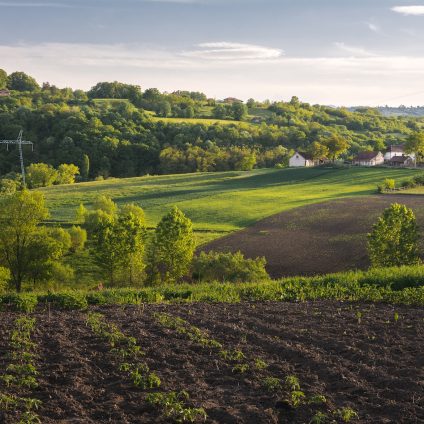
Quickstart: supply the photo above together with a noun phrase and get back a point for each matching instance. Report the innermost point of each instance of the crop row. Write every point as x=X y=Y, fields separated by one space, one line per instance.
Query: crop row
x=129 y=358
x=288 y=389
x=20 y=376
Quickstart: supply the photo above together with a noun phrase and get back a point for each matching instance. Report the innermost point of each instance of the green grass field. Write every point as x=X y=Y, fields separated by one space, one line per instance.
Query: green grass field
x=223 y=202
x=194 y=121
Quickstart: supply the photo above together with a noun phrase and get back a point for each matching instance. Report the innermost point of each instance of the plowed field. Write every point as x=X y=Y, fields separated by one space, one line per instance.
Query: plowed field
x=362 y=356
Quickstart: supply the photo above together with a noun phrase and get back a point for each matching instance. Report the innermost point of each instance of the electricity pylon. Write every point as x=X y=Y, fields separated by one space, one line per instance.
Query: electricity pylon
x=19 y=142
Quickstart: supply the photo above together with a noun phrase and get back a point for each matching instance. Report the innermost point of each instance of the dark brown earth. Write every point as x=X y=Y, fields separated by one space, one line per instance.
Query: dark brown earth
x=375 y=366
x=316 y=239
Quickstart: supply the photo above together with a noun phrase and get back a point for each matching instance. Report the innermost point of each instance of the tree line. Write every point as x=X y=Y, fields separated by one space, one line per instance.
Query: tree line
x=113 y=129
x=33 y=255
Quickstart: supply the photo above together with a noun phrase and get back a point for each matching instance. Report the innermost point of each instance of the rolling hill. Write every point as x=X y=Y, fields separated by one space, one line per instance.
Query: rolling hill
x=223 y=202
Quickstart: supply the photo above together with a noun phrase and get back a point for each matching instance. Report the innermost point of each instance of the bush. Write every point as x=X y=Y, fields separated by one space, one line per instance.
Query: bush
x=234 y=268
x=419 y=179
x=78 y=238
x=66 y=300
x=389 y=184
x=4 y=278
x=19 y=303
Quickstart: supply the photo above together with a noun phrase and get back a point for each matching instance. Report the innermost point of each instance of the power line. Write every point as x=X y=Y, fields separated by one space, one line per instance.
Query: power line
x=19 y=142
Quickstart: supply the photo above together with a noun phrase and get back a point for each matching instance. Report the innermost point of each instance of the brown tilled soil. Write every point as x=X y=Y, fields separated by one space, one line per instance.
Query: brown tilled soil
x=368 y=361
x=316 y=239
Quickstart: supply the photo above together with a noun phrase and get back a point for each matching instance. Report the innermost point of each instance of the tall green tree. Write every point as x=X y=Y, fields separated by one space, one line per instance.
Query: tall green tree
x=415 y=144
x=85 y=167
x=239 y=111
x=118 y=241
x=40 y=175
x=66 y=173
x=171 y=251
x=20 y=81
x=318 y=150
x=20 y=215
x=3 y=78
x=336 y=146
x=394 y=238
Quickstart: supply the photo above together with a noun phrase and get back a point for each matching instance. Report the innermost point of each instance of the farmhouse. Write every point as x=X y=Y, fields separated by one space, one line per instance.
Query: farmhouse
x=369 y=159
x=397 y=150
x=302 y=159
x=401 y=161
x=4 y=92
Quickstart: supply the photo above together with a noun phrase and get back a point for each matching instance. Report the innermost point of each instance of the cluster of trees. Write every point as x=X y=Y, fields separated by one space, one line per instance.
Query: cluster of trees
x=31 y=252
x=123 y=251
x=110 y=127
x=236 y=111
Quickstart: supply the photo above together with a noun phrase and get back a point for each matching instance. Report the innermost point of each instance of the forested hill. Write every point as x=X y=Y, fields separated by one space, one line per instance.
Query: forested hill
x=122 y=130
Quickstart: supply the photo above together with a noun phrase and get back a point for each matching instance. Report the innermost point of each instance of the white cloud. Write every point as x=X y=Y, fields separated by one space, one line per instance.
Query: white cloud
x=348 y=79
x=409 y=10
x=226 y=51
x=353 y=50
x=373 y=27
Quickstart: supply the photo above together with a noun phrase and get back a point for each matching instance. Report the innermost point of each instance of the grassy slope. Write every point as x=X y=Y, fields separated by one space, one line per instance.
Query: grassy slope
x=204 y=121
x=223 y=201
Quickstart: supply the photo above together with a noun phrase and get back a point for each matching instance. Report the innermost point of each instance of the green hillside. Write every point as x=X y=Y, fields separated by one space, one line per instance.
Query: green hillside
x=225 y=201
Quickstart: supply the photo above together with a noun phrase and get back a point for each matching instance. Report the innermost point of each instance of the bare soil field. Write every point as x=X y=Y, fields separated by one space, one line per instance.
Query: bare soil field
x=316 y=239
x=356 y=355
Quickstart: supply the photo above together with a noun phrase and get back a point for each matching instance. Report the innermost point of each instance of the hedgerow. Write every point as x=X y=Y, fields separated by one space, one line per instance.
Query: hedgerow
x=403 y=285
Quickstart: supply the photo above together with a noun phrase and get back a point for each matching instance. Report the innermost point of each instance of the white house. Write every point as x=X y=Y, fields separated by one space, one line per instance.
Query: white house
x=301 y=160
x=369 y=159
x=396 y=150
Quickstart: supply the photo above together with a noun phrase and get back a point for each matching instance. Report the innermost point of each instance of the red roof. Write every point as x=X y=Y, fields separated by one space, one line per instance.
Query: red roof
x=364 y=156
x=399 y=159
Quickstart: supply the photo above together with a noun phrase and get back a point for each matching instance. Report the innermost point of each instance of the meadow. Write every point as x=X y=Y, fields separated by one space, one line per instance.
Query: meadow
x=226 y=201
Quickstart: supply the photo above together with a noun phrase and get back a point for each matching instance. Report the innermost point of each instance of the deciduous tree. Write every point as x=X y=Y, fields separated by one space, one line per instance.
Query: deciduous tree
x=394 y=238
x=171 y=250
x=20 y=215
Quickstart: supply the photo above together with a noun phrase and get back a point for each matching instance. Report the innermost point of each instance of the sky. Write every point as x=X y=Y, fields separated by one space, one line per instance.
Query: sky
x=333 y=52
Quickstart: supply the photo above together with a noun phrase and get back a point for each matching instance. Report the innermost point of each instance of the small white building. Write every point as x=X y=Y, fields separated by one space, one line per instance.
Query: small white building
x=369 y=159
x=396 y=150
x=299 y=160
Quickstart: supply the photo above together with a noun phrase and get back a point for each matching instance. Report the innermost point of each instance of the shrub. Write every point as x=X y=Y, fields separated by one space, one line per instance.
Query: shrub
x=66 y=300
x=389 y=184
x=78 y=238
x=20 y=303
x=217 y=266
x=419 y=179
x=4 y=278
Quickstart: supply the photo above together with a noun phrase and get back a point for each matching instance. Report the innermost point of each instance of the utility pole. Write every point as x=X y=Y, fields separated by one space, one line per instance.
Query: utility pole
x=19 y=142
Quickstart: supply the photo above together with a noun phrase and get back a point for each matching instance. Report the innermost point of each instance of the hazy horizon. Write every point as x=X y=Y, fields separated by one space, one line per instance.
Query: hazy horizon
x=332 y=52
